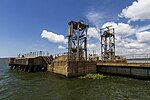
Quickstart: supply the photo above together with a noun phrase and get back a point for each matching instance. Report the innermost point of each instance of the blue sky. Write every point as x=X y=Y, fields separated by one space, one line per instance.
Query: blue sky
x=22 y=23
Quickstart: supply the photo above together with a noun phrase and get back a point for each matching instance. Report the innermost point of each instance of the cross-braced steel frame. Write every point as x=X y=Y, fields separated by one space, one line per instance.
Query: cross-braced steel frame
x=77 y=41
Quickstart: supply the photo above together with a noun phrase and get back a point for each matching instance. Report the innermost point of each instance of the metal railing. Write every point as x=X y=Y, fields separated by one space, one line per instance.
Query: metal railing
x=41 y=53
x=34 y=54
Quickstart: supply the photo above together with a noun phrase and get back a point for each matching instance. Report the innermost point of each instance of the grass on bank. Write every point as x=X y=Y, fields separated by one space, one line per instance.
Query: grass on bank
x=92 y=76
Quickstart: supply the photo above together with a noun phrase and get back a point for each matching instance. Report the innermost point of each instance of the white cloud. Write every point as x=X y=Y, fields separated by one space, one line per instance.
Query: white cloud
x=134 y=45
x=53 y=37
x=125 y=44
x=112 y=24
x=139 y=10
x=131 y=51
x=143 y=36
x=95 y=17
x=129 y=46
x=121 y=29
x=91 y=46
x=61 y=47
x=124 y=29
x=143 y=28
x=133 y=39
x=92 y=32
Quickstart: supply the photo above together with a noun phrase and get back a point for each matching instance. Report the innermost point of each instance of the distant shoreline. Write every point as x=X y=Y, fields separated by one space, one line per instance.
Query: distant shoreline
x=4 y=59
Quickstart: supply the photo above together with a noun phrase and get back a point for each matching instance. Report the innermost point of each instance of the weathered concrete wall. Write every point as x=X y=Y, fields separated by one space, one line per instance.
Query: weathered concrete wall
x=33 y=64
x=138 y=72
x=27 y=61
x=36 y=61
x=60 y=67
x=81 y=68
x=72 y=69
x=21 y=61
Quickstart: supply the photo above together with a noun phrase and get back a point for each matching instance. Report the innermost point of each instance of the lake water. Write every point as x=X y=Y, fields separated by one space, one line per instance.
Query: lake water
x=17 y=85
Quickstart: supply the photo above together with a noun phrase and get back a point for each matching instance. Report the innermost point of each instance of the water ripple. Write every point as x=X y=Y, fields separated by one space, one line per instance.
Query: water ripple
x=17 y=85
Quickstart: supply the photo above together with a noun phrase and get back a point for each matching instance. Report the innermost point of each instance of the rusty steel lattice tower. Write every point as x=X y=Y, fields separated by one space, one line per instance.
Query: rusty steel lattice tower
x=107 y=44
x=77 y=41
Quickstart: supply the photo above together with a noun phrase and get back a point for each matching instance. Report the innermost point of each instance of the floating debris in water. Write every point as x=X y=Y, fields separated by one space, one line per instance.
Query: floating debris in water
x=92 y=76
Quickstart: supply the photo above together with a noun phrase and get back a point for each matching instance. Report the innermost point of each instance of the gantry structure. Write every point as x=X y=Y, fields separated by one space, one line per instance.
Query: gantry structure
x=107 y=43
x=77 y=41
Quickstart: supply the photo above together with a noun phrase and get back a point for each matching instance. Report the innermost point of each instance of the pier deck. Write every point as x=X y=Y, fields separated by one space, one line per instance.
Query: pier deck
x=124 y=64
x=70 y=69
x=30 y=64
x=59 y=65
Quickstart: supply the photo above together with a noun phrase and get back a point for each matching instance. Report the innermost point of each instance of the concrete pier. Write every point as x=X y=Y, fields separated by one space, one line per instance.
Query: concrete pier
x=60 y=65
x=136 y=70
x=71 y=69
x=31 y=64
